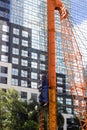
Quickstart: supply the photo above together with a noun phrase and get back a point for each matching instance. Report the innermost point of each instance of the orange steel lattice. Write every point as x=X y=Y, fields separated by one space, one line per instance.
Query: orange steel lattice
x=73 y=62
x=41 y=120
x=75 y=71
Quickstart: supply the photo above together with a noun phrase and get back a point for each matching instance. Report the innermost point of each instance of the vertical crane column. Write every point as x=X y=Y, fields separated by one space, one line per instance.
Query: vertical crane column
x=51 y=65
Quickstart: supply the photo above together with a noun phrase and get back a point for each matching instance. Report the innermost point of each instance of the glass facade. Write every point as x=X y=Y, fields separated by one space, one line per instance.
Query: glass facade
x=25 y=37
x=31 y=14
x=5 y=9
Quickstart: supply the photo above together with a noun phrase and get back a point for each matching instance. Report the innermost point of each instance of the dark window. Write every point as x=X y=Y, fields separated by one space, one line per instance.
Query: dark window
x=3 y=80
x=34 y=96
x=4 y=69
x=24 y=95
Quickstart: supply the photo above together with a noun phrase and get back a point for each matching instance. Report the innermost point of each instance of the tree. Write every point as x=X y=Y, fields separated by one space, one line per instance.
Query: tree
x=2 y=109
x=18 y=115
x=30 y=125
x=60 y=118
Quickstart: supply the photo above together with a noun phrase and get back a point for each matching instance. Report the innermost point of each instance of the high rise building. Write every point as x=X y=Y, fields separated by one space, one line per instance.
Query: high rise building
x=23 y=49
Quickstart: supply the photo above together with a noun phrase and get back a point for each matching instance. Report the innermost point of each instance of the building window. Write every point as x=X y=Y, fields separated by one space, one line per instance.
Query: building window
x=15 y=40
x=25 y=43
x=59 y=80
x=24 y=95
x=15 y=82
x=24 y=53
x=24 y=62
x=42 y=66
x=15 y=31
x=60 y=100
x=59 y=90
x=68 y=101
x=3 y=80
x=3 y=70
x=42 y=57
x=69 y=110
x=34 y=96
x=33 y=64
x=5 y=38
x=4 y=48
x=15 y=51
x=34 y=55
x=24 y=73
x=33 y=85
x=33 y=75
x=4 y=58
x=15 y=71
x=15 y=60
x=5 y=28
x=24 y=83
x=25 y=34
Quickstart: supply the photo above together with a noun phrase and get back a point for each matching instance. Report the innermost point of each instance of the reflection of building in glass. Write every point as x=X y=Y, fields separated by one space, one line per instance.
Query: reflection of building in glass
x=23 y=38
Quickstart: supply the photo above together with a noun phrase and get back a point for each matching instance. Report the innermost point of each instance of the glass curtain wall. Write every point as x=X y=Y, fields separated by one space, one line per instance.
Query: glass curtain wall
x=31 y=14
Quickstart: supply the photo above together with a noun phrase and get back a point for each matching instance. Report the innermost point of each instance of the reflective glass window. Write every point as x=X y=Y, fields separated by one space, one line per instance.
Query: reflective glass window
x=4 y=48
x=5 y=28
x=24 y=83
x=59 y=90
x=24 y=62
x=33 y=75
x=25 y=34
x=59 y=80
x=33 y=85
x=5 y=38
x=16 y=31
x=34 y=64
x=15 y=71
x=24 y=53
x=14 y=82
x=24 y=73
x=4 y=58
x=42 y=66
x=15 y=60
x=60 y=100
x=68 y=101
x=69 y=110
x=42 y=57
x=15 y=40
x=15 y=51
x=34 y=55
x=25 y=43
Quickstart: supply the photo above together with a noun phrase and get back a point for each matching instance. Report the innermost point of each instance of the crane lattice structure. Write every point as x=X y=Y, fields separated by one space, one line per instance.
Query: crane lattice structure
x=73 y=61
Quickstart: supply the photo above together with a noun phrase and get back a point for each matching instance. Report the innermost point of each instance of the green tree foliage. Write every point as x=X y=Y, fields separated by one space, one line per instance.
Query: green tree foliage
x=14 y=113
x=30 y=125
x=60 y=118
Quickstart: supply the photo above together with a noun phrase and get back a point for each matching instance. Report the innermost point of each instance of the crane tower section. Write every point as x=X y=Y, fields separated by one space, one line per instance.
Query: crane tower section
x=73 y=62
x=75 y=70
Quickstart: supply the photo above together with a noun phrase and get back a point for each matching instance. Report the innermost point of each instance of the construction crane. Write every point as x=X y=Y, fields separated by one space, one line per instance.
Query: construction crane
x=53 y=5
x=74 y=66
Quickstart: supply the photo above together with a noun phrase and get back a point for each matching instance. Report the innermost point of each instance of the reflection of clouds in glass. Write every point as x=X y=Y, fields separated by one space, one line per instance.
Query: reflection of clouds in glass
x=79 y=11
x=80 y=32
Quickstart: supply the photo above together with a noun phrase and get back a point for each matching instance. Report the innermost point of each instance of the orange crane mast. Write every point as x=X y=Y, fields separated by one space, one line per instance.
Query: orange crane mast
x=73 y=62
x=53 y=5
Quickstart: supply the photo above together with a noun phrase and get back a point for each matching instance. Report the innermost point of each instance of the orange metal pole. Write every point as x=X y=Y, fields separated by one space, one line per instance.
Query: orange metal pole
x=41 y=119
x=51 y=64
